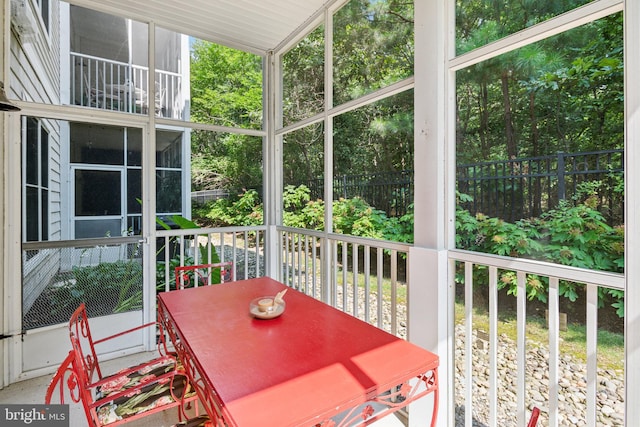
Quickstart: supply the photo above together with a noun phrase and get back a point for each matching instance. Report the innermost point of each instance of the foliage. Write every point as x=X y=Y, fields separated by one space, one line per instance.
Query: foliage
x=356 y=218
x=303 y=78
x=182 y=222
x=226 y=90
x=373 y=48
x=350 y=216
x=400 y=229
x=174 y=260
x=225 y=161
x=96 y=284
x=226 y=86
x=573 y=234
x=246 y=210
x=563 y=93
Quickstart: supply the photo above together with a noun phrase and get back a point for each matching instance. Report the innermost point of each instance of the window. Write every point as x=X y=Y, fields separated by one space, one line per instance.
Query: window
x=43 y=5
x=106 y=164
x=36 y=189
x=169 y=172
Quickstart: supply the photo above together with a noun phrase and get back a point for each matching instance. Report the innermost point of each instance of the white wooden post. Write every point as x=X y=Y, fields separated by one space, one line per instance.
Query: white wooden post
x=272 y=154
x=4 y=27
x=632 y=211
x=429 y=307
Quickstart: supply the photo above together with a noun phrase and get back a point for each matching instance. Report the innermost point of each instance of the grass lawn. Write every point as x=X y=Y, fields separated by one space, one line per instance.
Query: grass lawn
x=573 y=341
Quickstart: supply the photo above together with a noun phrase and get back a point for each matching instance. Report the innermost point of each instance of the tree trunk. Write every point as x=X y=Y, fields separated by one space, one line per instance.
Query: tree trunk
x=484 y=119
x=535 y=146
x=512 y=151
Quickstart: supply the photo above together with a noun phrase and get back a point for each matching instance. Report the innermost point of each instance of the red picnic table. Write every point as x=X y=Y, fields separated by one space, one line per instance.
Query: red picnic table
x=313 y=365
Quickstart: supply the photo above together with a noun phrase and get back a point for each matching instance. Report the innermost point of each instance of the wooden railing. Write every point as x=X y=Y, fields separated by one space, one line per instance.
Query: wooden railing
x=366 y=278
x=243 y=246
x=485 y=372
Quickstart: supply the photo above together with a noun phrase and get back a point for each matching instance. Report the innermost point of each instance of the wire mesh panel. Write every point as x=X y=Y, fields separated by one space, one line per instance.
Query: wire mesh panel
x=105 y=274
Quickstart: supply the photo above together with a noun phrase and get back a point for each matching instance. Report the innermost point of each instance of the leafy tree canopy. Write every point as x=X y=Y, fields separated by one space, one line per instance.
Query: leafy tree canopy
x=226 y=90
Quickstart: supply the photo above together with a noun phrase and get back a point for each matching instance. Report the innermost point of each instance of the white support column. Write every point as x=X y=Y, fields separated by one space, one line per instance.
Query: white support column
x=272 y=154
x=328 y=247
x=185 y=72
x=4 y=27
x=632 y=211
x=10 y=251
x=430 y=309
x=149 y=196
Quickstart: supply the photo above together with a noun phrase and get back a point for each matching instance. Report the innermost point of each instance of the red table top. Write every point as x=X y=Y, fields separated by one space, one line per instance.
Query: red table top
x=310 y=363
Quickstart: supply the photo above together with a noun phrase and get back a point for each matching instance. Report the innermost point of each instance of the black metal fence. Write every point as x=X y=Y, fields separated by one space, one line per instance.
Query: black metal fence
x=527 y=187
x=391 y=192
x=508 y=189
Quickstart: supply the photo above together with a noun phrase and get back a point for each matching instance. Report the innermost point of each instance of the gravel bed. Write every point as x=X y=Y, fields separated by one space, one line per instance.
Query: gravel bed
x=571 y=394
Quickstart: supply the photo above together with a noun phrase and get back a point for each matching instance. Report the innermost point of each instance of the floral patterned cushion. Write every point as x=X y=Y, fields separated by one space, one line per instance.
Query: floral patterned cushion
x=146 y=391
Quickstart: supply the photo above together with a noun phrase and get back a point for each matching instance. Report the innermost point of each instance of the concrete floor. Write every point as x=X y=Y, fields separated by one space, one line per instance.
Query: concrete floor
x=33 y=391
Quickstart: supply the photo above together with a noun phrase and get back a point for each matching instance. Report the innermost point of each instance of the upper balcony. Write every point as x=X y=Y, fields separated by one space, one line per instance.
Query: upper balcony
x=119 y=86
x=108 y=65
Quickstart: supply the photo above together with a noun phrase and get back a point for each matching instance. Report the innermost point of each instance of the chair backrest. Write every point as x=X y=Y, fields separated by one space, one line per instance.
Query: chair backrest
x=80 y=335
x=128 y=395
x=65 y=370
x=204 y=274
x=71 y=375
x=535 y=413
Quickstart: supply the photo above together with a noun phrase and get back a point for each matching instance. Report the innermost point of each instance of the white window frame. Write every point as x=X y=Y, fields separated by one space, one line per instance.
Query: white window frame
x=40 y=186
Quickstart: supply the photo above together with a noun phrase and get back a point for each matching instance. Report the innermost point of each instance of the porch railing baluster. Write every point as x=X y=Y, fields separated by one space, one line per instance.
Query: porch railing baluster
x=588 y=393
x=554 y=349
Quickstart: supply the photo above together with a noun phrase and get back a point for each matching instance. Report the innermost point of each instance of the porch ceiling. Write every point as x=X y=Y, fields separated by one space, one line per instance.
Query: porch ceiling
x=252 y=25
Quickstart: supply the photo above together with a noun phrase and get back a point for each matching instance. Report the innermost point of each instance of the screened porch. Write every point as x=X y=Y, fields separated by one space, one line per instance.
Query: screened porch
x=513 y=330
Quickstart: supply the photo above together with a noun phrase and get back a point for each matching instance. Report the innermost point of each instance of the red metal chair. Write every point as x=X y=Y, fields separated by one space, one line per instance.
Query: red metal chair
x=535 y=413
x=127 y=395
x=200 y=274
x=84 y=344
x=103 y=412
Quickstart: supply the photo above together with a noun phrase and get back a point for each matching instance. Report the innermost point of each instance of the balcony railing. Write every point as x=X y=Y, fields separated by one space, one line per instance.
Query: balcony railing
x=367 y=276
x=119 y=86
x=498 y=377
x=244 y=246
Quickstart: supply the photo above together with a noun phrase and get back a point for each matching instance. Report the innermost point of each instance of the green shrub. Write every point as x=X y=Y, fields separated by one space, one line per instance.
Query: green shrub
x=575 y=234
x=114 y=286
x=356 y=218
x=246 y=210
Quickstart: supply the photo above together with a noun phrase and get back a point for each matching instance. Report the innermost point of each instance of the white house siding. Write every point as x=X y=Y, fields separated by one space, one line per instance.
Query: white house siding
x=35 y=76
x=37 y=273
x=35 y=61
